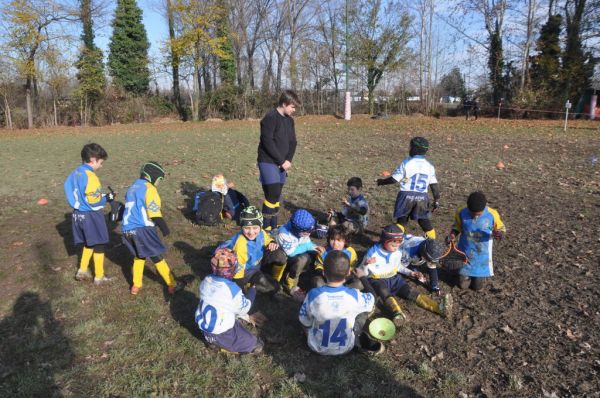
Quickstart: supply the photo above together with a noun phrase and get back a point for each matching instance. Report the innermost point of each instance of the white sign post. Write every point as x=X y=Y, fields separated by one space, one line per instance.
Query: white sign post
x=567 y=106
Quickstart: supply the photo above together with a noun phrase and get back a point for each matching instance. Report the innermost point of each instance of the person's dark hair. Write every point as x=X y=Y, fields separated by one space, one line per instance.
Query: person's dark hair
x=337 y=265
x=289 y=97
x=336 y=231
x=476 y=201
x=92 y=150
x=355 y=182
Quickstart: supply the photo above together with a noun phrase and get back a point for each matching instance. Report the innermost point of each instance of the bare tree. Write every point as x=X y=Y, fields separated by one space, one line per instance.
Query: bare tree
x=329 y=19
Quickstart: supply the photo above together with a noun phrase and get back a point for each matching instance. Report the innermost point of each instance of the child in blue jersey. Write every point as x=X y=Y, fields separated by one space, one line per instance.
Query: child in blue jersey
x=384 y=268
x=418 y=251
x=254 y=249
x=355 y=209
x=84 y=194
x=415 y=174
x=222 y=304
x=337 y=238
x=478 y=225
x=334 y=315
x=141 y=217
x=294 y=239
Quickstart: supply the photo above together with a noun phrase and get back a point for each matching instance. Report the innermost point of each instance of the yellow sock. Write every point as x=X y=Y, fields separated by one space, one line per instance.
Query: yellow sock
x=99 y=265
x=165 y=272
x=427 y=303
x=430 y=234
x=277 y=271
x=138 y=271
x=290 y=282
x=86 y=256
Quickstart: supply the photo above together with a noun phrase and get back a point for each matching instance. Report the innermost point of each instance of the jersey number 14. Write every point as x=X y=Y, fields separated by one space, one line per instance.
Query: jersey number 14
x=339 y=334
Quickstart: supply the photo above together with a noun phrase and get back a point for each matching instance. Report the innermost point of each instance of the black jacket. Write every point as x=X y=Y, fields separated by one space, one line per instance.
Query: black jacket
x=277 y=138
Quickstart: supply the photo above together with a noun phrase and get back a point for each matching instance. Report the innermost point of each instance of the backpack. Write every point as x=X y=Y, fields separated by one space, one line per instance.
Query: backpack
x=209 y=208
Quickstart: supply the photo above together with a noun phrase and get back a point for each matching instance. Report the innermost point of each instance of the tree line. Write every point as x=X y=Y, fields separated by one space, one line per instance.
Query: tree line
x=230 y=59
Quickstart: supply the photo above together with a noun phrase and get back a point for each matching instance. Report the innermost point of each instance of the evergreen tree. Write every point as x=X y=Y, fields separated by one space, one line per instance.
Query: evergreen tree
x=545 y=66
x=453 y=84
x=496 y=65
x=578 y=66
x=90 y=67
x=226 y=58
x=128 y=57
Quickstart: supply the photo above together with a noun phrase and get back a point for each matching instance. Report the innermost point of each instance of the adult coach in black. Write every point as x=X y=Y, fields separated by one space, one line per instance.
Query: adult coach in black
x=275 y=153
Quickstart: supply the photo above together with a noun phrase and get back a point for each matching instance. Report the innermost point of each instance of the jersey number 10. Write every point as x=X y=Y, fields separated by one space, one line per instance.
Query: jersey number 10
x=339 y=334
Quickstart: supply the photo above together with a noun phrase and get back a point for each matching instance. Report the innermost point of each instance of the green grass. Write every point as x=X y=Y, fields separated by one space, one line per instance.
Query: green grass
x=63 y=338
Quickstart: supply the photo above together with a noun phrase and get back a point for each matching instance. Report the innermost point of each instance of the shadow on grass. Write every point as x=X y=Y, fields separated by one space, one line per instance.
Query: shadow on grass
x=353 y=374
x=319 y=215
x=197 y=259
x=189 y=189
x=34 y=349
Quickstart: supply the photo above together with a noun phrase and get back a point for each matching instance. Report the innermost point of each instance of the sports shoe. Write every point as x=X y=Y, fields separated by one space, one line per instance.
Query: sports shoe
x=399 y=318
x=446 y=306
x=369 y=346
x=103 y=280
x=135 y=290
x=436 y=290
x=174 y=289
x=83 y=275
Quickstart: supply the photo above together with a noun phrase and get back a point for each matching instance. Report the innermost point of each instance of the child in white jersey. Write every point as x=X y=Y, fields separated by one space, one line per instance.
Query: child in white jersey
x=383 y=267
x=334 y=315
x=222 y=303
x=415 y=174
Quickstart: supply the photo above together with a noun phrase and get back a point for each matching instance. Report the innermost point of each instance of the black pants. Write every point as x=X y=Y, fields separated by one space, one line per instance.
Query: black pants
x=473 y=282
x=263 y=281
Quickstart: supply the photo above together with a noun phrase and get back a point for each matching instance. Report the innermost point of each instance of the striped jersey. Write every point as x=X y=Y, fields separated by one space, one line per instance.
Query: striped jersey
x=329 y=314
x=291 y=244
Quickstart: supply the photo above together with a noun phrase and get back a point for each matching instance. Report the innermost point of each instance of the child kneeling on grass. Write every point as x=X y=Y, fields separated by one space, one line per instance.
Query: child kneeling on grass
x=383 y=267
x=355 y=209
x=141 y=217
x=478 y=225
x=334 y=315
x=222 y=303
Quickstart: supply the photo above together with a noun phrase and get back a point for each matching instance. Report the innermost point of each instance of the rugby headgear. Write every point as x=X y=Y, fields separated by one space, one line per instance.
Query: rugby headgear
x=302 y=221
x=224 y=263
x=431 y=250
x=391 y=232
x=476 y=201
x=418 y=146
x=153 y=172
x=251 y=216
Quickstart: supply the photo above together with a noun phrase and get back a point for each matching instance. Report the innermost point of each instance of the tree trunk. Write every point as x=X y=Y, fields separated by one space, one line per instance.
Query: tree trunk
x=530 y=20
x=55 y=113
x=197 y=88
x=7 y=114
x=251 y=69
x=28 y=101
x=175 y=64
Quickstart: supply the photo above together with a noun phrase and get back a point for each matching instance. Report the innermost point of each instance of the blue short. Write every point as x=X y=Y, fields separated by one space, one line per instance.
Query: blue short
x=89 y=228
x=393 y=284
x=144 y=242
x=412 y=204
x=236 y=339
x=270 y=173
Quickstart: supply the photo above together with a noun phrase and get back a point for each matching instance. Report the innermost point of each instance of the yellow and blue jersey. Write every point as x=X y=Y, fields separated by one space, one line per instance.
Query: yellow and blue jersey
x=348 y=251
x=83 y=189
x=249 y=253
x=142 y=203
x=476 y=239
x=387 y=264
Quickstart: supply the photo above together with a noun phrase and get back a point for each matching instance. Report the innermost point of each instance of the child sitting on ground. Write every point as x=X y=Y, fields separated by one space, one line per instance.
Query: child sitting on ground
x=477 y=225
x=294 y=238
x=254 y=248
x=337 y=237
x=355 y=209
x=141 y=217
x=383 y=267
x=222 y=302
x=221 y=202
x=84 y=194
x=415 y=174
x=334 y=315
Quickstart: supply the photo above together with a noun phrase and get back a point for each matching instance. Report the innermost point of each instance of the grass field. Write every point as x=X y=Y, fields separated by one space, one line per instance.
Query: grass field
x=533 y=331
